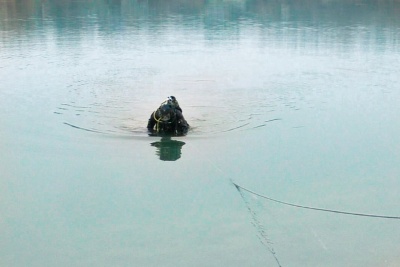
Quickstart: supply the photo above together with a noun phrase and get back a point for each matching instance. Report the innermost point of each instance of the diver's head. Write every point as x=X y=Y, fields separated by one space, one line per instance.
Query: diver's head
x=171 y=100
x=164 y=112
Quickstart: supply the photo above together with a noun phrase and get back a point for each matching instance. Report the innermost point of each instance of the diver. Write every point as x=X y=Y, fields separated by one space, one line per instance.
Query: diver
x=168 y=119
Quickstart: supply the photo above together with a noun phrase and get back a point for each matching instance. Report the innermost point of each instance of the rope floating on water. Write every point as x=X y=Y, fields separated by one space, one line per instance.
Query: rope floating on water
x=262 y=236
x=239 y=188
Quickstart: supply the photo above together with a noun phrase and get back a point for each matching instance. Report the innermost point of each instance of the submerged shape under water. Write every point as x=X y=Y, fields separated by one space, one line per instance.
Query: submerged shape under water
x=297 y=100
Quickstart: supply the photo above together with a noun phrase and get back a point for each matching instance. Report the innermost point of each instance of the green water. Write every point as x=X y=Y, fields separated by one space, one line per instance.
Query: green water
x=295 y=100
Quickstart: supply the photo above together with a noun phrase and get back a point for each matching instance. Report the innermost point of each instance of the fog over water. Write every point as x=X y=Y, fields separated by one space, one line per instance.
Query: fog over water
x=296 y=101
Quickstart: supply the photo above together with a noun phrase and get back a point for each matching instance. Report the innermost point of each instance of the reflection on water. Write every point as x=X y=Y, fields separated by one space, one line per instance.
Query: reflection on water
x=167 y=149
x=290 y=23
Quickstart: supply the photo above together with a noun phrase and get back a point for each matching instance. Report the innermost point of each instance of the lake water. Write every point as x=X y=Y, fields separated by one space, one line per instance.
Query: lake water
x=297 y=101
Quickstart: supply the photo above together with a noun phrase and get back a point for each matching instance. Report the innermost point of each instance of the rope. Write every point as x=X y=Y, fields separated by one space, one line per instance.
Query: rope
x=238 y=187
x=262 y=236
x=158 y=122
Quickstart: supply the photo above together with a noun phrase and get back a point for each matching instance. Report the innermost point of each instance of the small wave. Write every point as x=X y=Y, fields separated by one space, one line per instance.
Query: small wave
x=121 y=132
x=259 y=126
x=73 y=106
x=235 y=128
x=84 y=129
x=273 y=120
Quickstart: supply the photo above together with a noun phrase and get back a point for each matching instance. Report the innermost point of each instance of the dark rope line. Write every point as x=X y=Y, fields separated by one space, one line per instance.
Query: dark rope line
x=238 y=187
x=262 y=236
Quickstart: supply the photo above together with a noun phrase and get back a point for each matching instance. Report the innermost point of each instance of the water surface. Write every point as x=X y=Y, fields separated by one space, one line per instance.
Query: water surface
x=295 y=100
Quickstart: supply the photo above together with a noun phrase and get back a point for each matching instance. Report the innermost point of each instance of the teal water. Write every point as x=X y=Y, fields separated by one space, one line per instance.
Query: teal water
x=295 y=100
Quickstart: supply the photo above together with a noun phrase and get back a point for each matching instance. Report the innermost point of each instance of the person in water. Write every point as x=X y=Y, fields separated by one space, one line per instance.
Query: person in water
x=168 y=119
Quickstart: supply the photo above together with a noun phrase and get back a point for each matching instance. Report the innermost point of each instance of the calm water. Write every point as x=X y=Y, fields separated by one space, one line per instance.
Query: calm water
x=295 y=100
